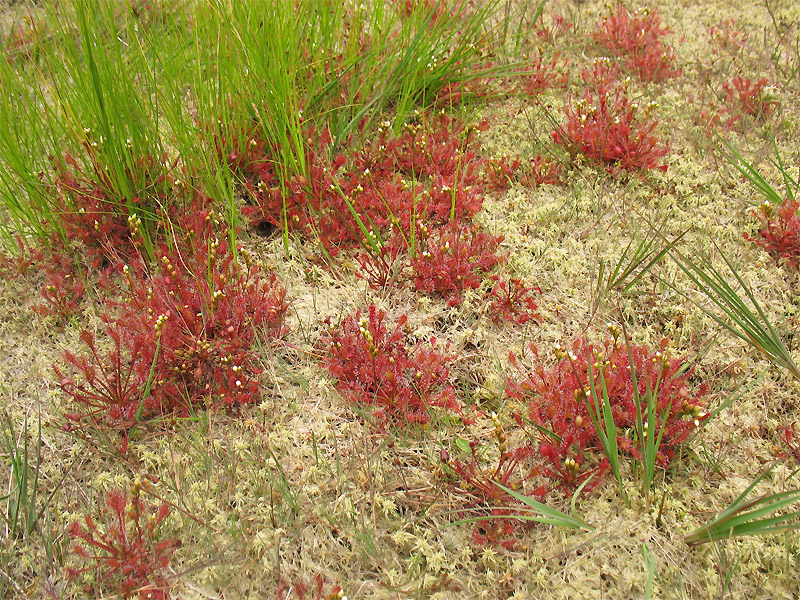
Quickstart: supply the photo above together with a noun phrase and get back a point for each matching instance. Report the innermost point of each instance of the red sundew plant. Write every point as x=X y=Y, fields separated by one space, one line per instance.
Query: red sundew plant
x=455 y=259
x=204 y=316
x=303 y=194
x=383 y=267
x=541 y=74
x=249 y=159
x=380 y=205
x=431 y=172
x=15 y=263
x=636 y=39
x=62 y=294
x=428 y=145
x=123 y=549
x=453 y=93
x=374 y=366
x=557 y=398
x=501 y=172
x=543 y=172
x=559 y=27
x=436 y=160
x=710 y=121
x=504 y=171
x=512 y=300
x=89 y=215
x=112 y=385
x=724 y=36
x=603 y=76
x=63 y=288
x=742 y=96
x=606 y=126
x=788 y=436
x=183 y=334
x=437 y=145
x=271 y=202
x=514 y=469
x=742 y=101
x=106 y=225
x=315 y=590
x=780 y=232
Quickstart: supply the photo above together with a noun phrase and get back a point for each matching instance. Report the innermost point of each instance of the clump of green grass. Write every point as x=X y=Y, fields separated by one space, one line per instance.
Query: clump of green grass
x=745 y=517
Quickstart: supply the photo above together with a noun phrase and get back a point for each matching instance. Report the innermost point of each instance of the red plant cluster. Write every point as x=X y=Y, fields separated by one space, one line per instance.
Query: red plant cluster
x=541 y=73
x=250 y=159
x=22 y=41
x=62 y=293
x=113 y=385
x=89 y=215
x=780 y=232
x=453 y=93
x=512 y=301
x=383 y=265
x=63 y=288
x=788 y=436
x=124 y=551
x=16 y=262
x=514 y=469
x=636 y=39
x=503 y=171
x=430 y=172
x=558 y=400
x=437 y=158
x=182 y=334
x=315 y=590
x=543 y=172
x=607 y=126
x=742 y=96
x=455 y=260
x=390 y=198
x=558 y=28
x=725 y=36
x=375 y=366
x=107 y=225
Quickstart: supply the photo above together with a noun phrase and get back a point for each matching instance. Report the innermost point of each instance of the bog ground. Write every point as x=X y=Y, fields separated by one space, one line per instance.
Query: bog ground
x=399 y=299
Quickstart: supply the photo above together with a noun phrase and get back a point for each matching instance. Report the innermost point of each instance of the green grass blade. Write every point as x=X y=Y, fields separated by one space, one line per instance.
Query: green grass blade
x=572 y=508
x=742 y=517
x=554 y=516
x=751 y=327
x=750 y=173
x=789 y=181
x=149 y=384
x=535 y=518
x=737 y=393
x=650 y=563
x=606 y=430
